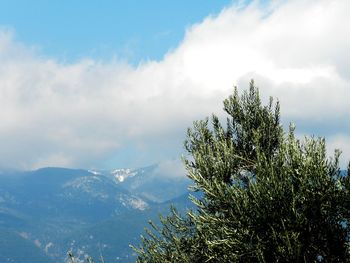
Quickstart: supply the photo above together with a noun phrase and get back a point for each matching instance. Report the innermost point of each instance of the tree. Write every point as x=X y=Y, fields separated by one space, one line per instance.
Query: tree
x=266 y=195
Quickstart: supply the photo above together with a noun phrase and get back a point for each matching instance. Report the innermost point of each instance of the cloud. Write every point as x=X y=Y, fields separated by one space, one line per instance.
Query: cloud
x=83 y=113
x=171 y=169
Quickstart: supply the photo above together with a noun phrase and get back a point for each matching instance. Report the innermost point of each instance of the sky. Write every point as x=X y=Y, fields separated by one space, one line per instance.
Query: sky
x=110 y=84
x=133 y=30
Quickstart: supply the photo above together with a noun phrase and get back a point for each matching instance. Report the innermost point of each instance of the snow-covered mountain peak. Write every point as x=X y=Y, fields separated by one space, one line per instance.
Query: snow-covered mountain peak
x=121 y=174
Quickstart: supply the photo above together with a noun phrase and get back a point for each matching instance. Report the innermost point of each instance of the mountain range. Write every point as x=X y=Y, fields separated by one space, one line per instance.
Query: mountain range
x=47 y=212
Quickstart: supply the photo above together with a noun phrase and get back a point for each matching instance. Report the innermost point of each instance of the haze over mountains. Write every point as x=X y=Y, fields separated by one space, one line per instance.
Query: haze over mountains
x=50 y=211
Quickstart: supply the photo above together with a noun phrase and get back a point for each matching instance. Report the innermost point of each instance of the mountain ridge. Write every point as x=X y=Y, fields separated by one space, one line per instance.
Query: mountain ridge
x=55 y=209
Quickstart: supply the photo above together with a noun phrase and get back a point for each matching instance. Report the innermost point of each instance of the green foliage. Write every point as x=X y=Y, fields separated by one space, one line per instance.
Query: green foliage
x=267 y=196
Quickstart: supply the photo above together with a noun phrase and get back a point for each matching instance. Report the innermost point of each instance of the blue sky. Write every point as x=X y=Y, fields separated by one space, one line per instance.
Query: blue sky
x=108 y=84
x=134 y=30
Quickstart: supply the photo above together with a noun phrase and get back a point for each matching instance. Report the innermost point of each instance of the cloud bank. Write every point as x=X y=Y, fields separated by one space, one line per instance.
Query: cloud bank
x=82 y=114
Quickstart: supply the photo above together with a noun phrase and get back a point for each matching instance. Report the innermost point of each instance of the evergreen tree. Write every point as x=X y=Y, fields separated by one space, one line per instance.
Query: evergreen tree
x=266 y=196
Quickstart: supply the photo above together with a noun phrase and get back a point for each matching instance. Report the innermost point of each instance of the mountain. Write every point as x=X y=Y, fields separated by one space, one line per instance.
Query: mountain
x=15 y=247
x=104 y=238
x=52 y=210
x=147 y=183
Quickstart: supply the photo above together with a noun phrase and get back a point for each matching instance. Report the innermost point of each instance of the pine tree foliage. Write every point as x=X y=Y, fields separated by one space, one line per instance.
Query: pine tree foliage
x=266 y=195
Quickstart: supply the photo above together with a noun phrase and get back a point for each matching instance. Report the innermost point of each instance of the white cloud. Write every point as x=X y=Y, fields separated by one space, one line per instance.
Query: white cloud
x=81 y=114
x=171 y=168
